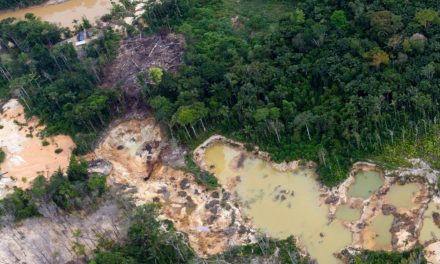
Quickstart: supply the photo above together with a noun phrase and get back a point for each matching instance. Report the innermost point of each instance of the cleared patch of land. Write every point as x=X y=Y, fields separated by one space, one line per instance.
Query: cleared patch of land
x=29 y=155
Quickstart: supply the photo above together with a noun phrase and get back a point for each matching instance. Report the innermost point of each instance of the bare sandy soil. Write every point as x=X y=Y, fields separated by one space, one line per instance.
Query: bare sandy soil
x=211 y=219
x=407 y=223
x=26 y=157
x=55 y=237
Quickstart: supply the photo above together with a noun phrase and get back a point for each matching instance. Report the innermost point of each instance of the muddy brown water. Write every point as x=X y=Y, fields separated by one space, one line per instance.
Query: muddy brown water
x=281 y=203
x=430 y=230
x=366 y=183
x=64 y=13
x=402 y=196
x=346 y=213
x=379 y=235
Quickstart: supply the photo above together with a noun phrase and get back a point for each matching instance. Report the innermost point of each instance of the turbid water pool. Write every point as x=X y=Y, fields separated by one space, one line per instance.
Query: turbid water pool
x=346 y=213
x=378 y=235
x=430 y=230
x=280 y=203
x=64 y=13
x=366 y=183
x=402 y=196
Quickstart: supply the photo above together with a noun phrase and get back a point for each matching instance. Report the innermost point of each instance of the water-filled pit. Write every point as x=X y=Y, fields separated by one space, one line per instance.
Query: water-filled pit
x=347 y=213
x=402 y=196
x=284 y=203
x=366 y=183
x=430 y=230
x=378 y=235
x=281 y=203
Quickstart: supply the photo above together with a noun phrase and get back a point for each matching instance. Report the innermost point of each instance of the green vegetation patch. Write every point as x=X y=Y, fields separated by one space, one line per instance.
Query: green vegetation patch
x=74 y=191
x=5 y=4
x=382 y=257
x=148 y=241
x=203 y=177
x=2 y=155
x=425 y=146
x=282 y=251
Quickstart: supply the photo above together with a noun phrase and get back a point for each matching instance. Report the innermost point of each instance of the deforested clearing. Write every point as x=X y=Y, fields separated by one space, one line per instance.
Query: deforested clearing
x=26 y=155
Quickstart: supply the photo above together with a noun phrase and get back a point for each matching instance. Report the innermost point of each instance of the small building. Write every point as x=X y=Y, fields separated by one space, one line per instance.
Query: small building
x=80 y=36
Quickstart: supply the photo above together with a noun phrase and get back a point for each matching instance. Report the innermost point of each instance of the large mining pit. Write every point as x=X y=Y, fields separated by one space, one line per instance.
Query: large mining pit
x=214 y=219
x=381 y=207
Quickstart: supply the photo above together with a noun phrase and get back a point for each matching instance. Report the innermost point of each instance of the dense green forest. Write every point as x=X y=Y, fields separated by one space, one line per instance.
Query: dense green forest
x=11 y=4
x=52 y=81
x=327 y=81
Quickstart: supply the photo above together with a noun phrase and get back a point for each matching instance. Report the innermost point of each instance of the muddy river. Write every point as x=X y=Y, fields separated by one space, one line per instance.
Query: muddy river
x=366 y=183
x=64 y=13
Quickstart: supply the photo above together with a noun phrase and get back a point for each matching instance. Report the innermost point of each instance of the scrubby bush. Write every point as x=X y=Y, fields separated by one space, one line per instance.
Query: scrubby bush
x=2 y=155
x=18 y=205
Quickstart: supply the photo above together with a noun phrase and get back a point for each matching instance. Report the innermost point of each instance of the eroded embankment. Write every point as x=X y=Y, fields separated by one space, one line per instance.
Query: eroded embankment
x=28 y=154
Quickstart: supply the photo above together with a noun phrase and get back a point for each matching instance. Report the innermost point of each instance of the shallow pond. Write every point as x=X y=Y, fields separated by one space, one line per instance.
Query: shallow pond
x=366 y=183
x=280 y=203
x=429 y=229
x=64 y=13
x=378 y=235
x=402 y=196
x=346 y=213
